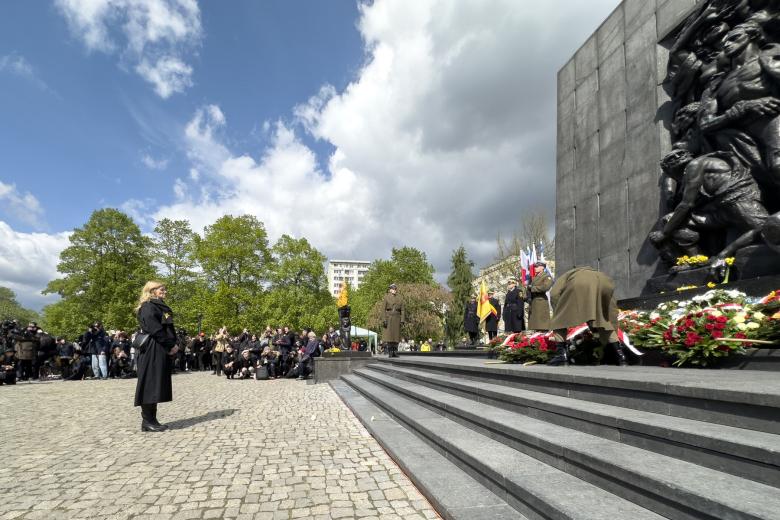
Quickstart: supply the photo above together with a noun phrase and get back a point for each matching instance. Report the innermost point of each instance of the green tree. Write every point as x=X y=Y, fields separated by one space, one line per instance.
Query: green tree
x=407 y=265
x=459 y=282
x=424 y=307
x=234 y=257
x=104 y=268
x=299 y=296
x=10 y=309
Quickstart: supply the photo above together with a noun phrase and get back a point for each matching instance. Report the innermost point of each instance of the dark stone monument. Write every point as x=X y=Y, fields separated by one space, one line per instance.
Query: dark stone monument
x=669 y=144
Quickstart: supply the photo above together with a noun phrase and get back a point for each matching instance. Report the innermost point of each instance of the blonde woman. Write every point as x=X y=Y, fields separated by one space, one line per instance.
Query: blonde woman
x=154 y=357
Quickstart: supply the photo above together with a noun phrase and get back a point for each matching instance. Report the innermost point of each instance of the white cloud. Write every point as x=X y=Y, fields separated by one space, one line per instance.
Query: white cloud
x=152 y=35
x=19 y=66
x=445 y=137
x=23 y=206
x=154 y=164
x=28 y=261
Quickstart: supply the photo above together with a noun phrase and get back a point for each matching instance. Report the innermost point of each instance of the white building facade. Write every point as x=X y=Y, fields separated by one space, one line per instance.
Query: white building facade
x=350 y=271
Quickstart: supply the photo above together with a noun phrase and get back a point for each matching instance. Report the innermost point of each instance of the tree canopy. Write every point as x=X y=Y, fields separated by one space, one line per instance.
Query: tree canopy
x=10 y=309
x=459 y=282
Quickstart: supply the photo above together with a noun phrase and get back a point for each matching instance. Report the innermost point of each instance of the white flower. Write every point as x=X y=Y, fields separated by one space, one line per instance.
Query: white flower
x=654 y=315
x=759 y=316
x=753 y=325
x=662 y=307
x=741 y=326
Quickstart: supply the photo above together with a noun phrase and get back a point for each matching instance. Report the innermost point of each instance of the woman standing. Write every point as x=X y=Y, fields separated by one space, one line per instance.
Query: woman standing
x=154 y=358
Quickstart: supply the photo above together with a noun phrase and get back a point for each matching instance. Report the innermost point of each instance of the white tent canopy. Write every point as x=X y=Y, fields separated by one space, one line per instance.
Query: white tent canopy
x=359 y=332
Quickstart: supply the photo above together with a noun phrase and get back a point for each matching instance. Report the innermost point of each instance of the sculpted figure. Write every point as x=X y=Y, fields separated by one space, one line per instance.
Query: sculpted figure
x=740 y=109
x=718 y=194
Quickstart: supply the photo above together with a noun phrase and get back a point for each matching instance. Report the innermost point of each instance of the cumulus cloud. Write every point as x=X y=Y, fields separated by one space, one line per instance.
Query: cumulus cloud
x=23 y=206
x=153 y=36
x=445 y=137
x=28 y=261
x=154 y=164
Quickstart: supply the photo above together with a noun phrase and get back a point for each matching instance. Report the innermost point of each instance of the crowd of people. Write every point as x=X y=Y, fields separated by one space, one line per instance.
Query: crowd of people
x=28 y=353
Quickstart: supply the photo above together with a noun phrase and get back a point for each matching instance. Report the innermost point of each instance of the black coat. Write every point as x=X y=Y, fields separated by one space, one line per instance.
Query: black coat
x=491 y=322
x=154 y=363
x=470 y=318
x=514 y=319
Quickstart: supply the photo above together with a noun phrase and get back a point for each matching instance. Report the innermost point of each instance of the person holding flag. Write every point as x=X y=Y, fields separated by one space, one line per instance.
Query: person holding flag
x=491 y=321
x=539 y=305
x=471 y=319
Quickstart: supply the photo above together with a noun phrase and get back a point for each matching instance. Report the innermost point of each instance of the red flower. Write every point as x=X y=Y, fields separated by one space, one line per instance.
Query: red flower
x=724 y=348
x=690 y=323
x=710 y=317
x=721 y=319
x=720 y=326
x=717 y=334
x=699 y=314
x=709 y=326
x=691 y=339
x=740 y=335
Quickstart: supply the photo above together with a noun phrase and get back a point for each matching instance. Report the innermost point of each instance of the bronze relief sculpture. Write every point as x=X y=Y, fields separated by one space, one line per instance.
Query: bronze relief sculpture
x=721 y=181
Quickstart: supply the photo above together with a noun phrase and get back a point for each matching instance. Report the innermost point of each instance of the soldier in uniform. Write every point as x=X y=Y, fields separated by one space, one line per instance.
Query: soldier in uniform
x=471 y=320
x=491 y=322
x=514 y=310
x=393 y=318
x=539 y=308
x=584 y=295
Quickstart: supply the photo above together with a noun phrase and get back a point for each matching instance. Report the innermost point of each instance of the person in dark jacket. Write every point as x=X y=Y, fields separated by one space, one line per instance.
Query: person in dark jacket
x=65 y=352
x=514 y=311
x=99 y=347
x=229 y=361
x=154 y=359
x=491 y=322
x=471 y=320
x=245 y=365
x=8 y=365
x=27 y=343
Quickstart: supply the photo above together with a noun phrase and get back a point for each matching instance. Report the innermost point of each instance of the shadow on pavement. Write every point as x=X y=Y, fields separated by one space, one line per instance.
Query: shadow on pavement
x=192 y=421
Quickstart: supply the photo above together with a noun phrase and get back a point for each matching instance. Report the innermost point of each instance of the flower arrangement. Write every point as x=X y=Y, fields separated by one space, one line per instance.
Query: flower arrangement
x=693 y=261
x=333 y=350
x=706 y=328
x=522 y=347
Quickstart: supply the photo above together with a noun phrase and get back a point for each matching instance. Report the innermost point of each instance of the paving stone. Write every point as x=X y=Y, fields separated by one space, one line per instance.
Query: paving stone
x=183 y=473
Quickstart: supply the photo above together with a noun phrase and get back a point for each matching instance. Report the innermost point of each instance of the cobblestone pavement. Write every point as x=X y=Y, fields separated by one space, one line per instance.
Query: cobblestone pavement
x=236 y=449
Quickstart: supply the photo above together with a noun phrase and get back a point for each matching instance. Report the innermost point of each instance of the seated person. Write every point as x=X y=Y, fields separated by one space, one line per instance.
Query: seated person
x=78 y=367
x=119 y=364
x=268 y=360
x=229 y=362
x=8 y=366
x=245 y=365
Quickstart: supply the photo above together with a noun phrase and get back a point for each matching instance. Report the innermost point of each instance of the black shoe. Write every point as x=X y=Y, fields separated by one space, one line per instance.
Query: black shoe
x=561 y=356
x=147 y=426
x=618 y=349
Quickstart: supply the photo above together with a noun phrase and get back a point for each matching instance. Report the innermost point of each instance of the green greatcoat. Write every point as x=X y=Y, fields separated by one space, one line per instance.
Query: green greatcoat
x=583 y=295
x=539 y=310
x=393 y=315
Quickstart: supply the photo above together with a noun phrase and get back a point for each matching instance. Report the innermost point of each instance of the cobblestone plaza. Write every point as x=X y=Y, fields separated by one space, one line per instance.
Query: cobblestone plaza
x=236 y=449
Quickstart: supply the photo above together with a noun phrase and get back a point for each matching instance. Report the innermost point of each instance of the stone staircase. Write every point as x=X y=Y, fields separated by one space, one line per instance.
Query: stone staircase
x=509 y=442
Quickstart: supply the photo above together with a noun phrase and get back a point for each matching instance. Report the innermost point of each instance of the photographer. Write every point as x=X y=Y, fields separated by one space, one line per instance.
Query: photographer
x=221 y=341
x=8 y=365
x=245 y=365
x=65 y=351
x=268 y=360
x=98 y=347
x=122 y=341
x=120 y=366
x=229 y=362
x=27 y=343
x=78 y=368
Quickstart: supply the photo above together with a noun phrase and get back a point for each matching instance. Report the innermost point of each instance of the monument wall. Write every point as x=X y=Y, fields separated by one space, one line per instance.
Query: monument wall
x=613 y=118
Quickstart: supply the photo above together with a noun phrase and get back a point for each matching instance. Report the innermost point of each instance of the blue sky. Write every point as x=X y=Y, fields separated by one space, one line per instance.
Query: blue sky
x=361 y=126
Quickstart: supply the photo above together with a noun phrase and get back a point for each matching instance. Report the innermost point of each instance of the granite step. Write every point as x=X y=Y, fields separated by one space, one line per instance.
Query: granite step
x=454 y=494
x=538 y=490
x=743 y=399
x=747 y=453
x=671 y=487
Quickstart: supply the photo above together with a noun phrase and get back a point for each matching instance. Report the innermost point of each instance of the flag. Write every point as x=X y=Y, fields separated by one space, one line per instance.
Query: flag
x=484 y=307
x=573 y=332
x=532 y=260
x=523 y=267
x=541 y=251
x=625 y=340
x=343 y=295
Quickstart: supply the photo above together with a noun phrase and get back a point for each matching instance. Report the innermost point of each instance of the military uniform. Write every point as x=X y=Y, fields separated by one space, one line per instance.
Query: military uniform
x=471 y=321
x=393 y=318
x=584 y=295
x=539 y=308
x=514 y=319
x=491 y=322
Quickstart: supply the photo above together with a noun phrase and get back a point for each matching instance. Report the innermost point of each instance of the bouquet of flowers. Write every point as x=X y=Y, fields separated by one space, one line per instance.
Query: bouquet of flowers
x=523 y=347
